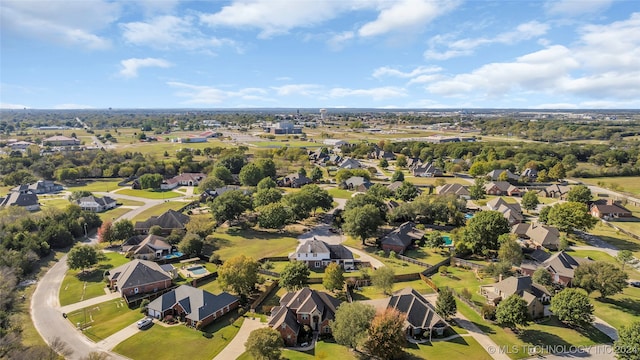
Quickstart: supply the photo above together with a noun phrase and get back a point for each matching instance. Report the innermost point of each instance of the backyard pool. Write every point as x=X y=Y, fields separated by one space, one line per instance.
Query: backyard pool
x=447 y=240
x=198 y=270
x=176 y=254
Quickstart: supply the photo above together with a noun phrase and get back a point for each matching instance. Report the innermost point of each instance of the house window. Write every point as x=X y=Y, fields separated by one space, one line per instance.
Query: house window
x=284 y=326
x=135 y=290
x=327 y=330
x=317 y=263
x=305 y=316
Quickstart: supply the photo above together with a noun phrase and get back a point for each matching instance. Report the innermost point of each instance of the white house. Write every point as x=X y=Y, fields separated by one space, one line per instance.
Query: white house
x=96 y=204
x=318 y=254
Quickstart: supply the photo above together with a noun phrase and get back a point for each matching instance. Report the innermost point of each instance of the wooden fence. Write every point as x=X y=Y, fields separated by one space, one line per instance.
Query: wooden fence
x=413 y=261
x=260 y=299
x=466 y=264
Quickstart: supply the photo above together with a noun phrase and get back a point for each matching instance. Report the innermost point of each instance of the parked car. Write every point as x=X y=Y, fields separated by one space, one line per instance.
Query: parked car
x=635 y=284
x=145 y=322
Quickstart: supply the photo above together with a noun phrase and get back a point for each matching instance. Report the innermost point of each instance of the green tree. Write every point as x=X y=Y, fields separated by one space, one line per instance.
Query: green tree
x=266 y=183
x=333 y=278
x=624 y=257
x=122 y=230
x=380 y=191
x=434 y=239
x=510 y=251
x=264 y=344
x=401 y=161
x=572 y=306
x=600 y=276
x=542 y=277
x=530 y=200
x=543 y=216
x=77 y=195
x=294 y=276
x=234 y=162
x=476 y=191
x=316 y=174
x=150 y=181
x=267 y=167
x=362 y=222
x=446 y=303
x=155 y=230
x=352 y=320
x=386 y=335
x=240 y=274
x=384 y=163
x=82 y=257
x=407 y=191
x=300 y=203
x=273 y=216
x=480 y=235
x=191 y=244
x=383 y=278
x=264 y=197
x=512 y=312
x=571 y=215
x=222 y=173
x=210 y=183
x=557 y=171
x=579 y=193
x=230 y=205
x=627 y=347
x=250 y=175
x=320 y=198
x=398 y=175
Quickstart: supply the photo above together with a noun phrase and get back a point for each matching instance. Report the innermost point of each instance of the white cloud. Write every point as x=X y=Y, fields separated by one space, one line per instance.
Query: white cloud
x=555 y=106
x=420 y=70
x=72 y=106
x=298 y=89
x=73 y=23
x=405 y=14
x=203 y=95
x=338 y=41
x=167 y=32
x=576 y=7
x=464 y=47
x=379 y=93
x=130 y=67
x=12 y=106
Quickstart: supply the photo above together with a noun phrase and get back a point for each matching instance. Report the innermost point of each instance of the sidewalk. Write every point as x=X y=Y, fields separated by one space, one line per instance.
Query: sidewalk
x=607 y=329
x=235 y=348
x=485 y=341
x=89 y=302
x=122 y=335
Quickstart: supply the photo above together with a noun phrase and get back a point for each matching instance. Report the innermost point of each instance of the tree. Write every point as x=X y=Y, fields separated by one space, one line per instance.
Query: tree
x=106 y=233
x=150 y=181
x=267 y=167
x=510 y=251
x=316 y=174
x=481 y=233
x=543 y=216
x=407 y=191
x=333 y=278
x=572 y=306
x=82 y=257
x=401 y=161
x=122 y=230
x=155 y=230
x=239 y=274
x=624 y=257
x=264 y=344
x=602 y=276
x=274 y=215
x=266 y=196
x=266 y=183
x=351 y=322
x=512 y=312
x=222 y=173
x=210 y=183
x=398 y=175
x=320 y=198
x=230 y=205
x=201 y=225
x=579 y=193
x=476 y=191
x=294 y=276
x=542 y=277
x=380 y=191
x=557 y=171
x=384 y=163
x=530 y=200
x=250 y=175
x=386 y=335
x=571 y=215
x=234 y=162
x=362 y=222
x=191 y=244
x=76 y=195
x=434 y=239
x=446 y=303
x=627 y=347
x=383 y=278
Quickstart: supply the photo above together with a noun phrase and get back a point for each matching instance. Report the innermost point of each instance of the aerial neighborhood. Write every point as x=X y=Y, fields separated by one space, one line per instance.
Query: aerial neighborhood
x=311 y=235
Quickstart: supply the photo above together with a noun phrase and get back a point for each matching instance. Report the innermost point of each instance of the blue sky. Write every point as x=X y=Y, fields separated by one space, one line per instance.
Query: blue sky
x=320 y=53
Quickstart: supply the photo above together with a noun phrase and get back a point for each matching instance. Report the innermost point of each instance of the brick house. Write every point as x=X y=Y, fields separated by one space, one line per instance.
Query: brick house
x=534 y=294
x=138 y=277
x=168 y=221
x=401 y=238
x=560 y=265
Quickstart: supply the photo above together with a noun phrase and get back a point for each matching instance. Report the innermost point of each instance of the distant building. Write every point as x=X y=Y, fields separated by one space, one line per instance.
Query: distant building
x=60 y=140
x=285 y=127
x=169 y=221
x=184 y=179
x=335 y=142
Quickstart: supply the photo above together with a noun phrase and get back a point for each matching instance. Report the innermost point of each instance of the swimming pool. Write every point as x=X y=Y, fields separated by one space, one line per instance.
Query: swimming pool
x=198 y=270
x=447 y=240
x=176 y=254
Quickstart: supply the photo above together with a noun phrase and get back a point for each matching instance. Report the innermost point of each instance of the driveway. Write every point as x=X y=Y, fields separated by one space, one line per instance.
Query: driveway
x=236 y=347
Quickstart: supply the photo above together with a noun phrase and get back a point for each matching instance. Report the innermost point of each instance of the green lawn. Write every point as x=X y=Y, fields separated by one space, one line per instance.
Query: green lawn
x=150 y=194
x=104 y=319
x=127 y=202
x=281 y=143
x=458 y=348
x=630 y=184
x=114 y=213
x=323 y=350
x=340 y=193
x=181 y=342
x=58 y=203
x=104 y=185
x=619 y=309
x=601 y=256
x=78 y=286
x=616 y=238
x=427 y=255
x=371 y=292
x=252 y=243
x=158 y=210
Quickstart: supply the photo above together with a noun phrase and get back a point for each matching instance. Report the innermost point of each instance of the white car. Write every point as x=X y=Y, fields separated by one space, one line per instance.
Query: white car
x=145 y=322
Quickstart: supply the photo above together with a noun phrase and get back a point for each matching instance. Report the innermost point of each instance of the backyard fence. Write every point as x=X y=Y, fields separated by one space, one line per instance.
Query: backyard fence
x=434 y=268
x=204 y=279
x=429 y=282
x=260 y=299
x=621 y=230
x=413 y=261
x=466 y=264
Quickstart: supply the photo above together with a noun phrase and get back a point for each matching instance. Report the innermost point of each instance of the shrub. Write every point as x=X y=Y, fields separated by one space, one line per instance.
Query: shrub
x=241 y=311
x=381 y=253
x=488 y=312
x=465 y=294
x=143 y=305
x=393 y=255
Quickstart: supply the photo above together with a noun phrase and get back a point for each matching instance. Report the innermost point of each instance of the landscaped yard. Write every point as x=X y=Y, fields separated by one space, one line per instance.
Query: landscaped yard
x=323 y=350
x=150 y=194
x=100 y=185
x=618 y=309
x=158 y=210
x=78 y=287
x=180 y=342
x=458 y=348
x=112 y=214
x=105 y=319
x=252 y=243
x=371 y=292
x=58 y=203
x=340 y=193
x=601 y=256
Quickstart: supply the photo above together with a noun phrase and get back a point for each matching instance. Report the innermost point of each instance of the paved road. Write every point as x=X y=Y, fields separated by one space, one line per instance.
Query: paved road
x=235 y=348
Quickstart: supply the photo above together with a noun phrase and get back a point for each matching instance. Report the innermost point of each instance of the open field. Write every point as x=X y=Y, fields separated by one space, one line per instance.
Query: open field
x=256 y=244
x=284 y=143
x=340 y=193
x=180 y=341
x=150 y=194
x=104 y=185
x=105 y=319
x=630 y=184
x=618 y=309
x=57 y=203
x=158 y=210
x=113 y=213
x=616 y=238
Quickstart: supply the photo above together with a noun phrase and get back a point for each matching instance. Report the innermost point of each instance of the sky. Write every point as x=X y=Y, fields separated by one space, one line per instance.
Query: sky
x=393 y=54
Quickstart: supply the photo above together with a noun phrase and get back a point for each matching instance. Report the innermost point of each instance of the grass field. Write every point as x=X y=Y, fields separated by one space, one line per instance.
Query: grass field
x=114 y=213
x=630 y=184
x=340 y=193
x=150 y=194
x=371 y=292
x=458 y=348
x=282 y=143
x=619 y=309
x=58 y=203
x=105 y=319
x=158 y=210
x=127 y=202
x=78 y=286
x=101 y=185
x=180 y=342
x=256 y=244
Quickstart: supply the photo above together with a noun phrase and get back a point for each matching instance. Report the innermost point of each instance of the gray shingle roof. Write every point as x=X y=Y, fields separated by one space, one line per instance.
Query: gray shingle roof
x=404 y=235
x=169 y=220
x=138 y=273
x=198 y=304
x=420 y=313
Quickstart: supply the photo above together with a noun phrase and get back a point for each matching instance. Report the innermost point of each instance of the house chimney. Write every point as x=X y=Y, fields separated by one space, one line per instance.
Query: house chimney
x=499 y=277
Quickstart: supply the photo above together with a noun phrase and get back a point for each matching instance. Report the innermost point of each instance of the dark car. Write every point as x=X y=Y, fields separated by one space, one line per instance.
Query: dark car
x=635 y=284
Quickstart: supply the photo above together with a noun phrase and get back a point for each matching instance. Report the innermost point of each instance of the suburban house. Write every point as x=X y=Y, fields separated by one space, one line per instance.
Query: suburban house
x=212 y=194
x=357 y=183
x=20 y=145
x=380 y=154
x=184 y=179
x=318 y=156
x=294 y=180
x=557 y=191
x=501 y=188
x=150 y=247
x=496 y=175
x=96 y=204
x=539 y=235
x=138 y=277
x=511 y=212
x=456 y=189
x=421 y=317
x=426 y=170
x=534 y=294
x=59 y=140
x=413 y=162
x=560 y=265
x=609 y=209
x=303 y=307
x=530 y=174
x=169 y=221
x=349 y=163
x=39 y=187
x=318 y=254
x=195 y=307
x=401 y=238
